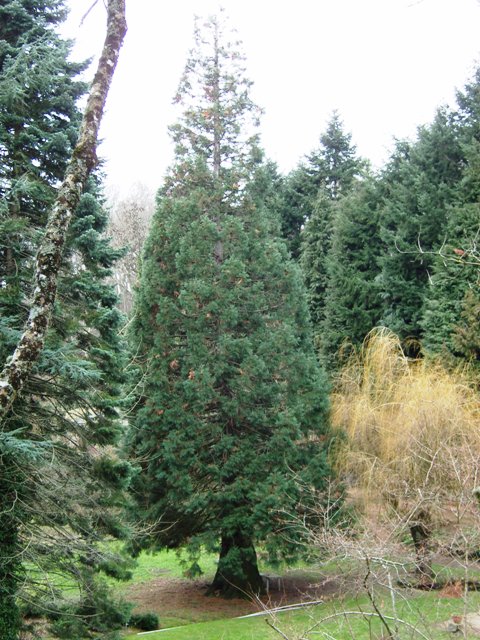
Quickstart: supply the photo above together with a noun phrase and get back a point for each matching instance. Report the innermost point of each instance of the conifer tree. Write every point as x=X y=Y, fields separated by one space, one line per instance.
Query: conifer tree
x=449 y=318
x=60 y=490
x=420 y=185
x=326 y=174
x=352 y=297
x=335 y=167
x=332 y=172
x=233 y=407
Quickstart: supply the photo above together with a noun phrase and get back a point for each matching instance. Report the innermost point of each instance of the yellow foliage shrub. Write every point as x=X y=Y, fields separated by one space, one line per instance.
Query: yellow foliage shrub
x=412 y=427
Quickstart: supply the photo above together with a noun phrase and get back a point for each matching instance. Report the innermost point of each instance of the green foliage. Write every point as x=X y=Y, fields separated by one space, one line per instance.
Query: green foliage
x=144 y=621
x=467 y=336
x=328 y=173
x=332 y=173
x=450 y=316
x=232 y=397
x=11 y=572
x=352 y=298
x=316 y=245
x=420 y=186
x=94 y=613
x=455 y=279
x=61 y=496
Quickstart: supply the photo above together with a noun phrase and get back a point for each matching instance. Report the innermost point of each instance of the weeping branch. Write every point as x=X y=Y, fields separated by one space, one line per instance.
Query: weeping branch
x=83 y=160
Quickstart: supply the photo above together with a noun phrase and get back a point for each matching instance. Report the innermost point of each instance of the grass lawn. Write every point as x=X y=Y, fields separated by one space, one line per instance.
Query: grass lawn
x=422 y=613
x=173 y=565
x=165 y=563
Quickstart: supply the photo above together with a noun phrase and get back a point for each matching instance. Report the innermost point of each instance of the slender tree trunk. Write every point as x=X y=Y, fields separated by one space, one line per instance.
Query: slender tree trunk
x=237 y=573
x=420 y=535
x=30 y=346
x=83 y=160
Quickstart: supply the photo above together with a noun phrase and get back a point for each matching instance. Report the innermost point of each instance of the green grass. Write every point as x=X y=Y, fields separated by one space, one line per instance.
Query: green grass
x=167 y=563
x=170 y=564
x=423 y=612
x=452 y=572
x=246 y=629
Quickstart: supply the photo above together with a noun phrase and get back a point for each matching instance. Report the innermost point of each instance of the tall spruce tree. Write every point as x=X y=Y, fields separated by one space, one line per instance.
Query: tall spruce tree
x=450 y=317
x=232 y=416
x=326 y=174
x=420 y=185
x=60 y=490
x=332 y=172
x=352 y=304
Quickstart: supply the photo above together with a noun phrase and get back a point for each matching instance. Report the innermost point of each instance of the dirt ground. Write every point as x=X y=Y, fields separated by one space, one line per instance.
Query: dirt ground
x=182 y=599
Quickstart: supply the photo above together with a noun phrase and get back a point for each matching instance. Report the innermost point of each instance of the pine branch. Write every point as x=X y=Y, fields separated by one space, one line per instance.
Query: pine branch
x=82 y=162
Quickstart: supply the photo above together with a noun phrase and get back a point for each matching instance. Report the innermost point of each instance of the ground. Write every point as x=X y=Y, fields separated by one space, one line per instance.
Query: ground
x=179 y=601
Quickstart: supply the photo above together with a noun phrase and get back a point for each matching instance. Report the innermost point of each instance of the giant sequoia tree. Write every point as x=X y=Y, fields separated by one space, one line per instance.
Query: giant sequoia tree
x=59 y=489
x=232 y=414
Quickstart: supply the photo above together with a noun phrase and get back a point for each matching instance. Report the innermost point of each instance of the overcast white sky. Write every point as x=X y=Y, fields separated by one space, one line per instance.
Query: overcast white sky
x=386 y=65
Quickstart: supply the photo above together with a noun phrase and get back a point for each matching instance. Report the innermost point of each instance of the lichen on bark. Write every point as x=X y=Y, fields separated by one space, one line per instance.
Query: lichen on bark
x=82 y=162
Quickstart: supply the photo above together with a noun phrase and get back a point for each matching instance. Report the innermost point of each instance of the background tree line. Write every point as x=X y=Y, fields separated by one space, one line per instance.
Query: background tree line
x=396 y=248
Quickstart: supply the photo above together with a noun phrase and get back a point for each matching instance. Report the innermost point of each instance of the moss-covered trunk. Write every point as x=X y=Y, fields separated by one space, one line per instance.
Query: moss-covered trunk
x=82 y=162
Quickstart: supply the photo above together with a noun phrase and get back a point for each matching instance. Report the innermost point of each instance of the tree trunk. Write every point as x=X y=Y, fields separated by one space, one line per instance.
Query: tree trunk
x=30 y=345
x=237 y=573
x=421 y=534
x=83 y=160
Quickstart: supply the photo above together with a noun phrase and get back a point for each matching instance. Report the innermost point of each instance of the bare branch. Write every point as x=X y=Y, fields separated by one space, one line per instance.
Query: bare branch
x=87 y=12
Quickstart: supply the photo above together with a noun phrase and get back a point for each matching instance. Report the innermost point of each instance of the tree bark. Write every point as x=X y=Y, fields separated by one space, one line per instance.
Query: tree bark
x=237 y=574
x=420 y=535
x=83 y=160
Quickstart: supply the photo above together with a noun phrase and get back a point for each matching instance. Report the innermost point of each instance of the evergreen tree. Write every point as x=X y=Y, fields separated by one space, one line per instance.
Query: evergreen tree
x=328 y=173
x=454 y=279
x=335 y=167
x=449 y=319
x=332 y=172
x=315 y=247
x=466 y=339
x=232 y=416
x=352 y=299
x=420 y=185
x=60 y=489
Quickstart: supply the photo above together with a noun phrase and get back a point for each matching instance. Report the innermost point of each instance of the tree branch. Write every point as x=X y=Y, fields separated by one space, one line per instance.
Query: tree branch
x=83 y=160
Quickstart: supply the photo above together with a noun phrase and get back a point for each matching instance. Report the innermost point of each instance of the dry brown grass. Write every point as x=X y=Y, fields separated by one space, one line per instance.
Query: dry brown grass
x=412 y=428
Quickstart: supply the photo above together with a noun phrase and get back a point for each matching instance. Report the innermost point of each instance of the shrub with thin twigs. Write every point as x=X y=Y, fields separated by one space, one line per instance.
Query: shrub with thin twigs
x=412 y=429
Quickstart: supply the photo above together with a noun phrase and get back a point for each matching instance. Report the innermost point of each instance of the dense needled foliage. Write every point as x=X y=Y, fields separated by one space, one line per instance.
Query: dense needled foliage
x=332 y=173
x=231 y=422
x=61 y=491
x=420 y=185
x=451 y=308
x=327 y=173
x=352 y=305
